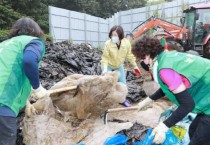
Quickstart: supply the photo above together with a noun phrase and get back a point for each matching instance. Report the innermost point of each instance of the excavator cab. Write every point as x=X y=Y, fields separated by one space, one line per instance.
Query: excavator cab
x=197 y=21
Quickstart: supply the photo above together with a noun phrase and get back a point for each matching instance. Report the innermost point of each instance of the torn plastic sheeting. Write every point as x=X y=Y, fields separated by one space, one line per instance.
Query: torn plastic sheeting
x=136 y=133
x=43 y=130
x=134 y=83
x=90 y=92
x=53 y=123
x=147 y=117
x=101 y=132
x=65 y=58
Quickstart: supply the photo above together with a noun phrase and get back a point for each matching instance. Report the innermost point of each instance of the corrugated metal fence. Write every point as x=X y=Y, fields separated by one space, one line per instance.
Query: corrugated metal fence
x=80 y=27
x=77 y=27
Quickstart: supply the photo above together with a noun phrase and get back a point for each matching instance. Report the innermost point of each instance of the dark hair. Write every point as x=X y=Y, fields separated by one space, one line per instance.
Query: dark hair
x=119 y=31
x=147 y=45
x=26 y=26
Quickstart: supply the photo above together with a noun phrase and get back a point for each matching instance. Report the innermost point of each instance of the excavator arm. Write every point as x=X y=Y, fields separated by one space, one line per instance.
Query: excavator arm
x=172 y=30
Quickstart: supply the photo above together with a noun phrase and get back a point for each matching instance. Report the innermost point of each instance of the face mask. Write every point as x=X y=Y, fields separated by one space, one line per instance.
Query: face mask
x=145 y=66
x=115 y=39
x=154 y=71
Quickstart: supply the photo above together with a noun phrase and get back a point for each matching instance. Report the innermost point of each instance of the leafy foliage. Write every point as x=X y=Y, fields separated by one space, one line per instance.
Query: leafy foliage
x=4 y=33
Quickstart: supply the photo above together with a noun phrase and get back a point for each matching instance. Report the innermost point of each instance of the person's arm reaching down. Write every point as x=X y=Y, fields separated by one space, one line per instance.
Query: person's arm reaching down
x=31 y=57
x=175 y=84
x=186 y=104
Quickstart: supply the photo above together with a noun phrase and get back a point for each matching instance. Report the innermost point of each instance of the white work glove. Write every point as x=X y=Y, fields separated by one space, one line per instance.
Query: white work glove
x=105 y=70
x=29 y=110
x=144 y=103
x=39 y=92
x=160 y=133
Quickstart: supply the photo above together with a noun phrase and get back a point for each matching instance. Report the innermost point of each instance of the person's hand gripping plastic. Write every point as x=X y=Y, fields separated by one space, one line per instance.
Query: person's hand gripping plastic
x=160 y=133
x=39 y=93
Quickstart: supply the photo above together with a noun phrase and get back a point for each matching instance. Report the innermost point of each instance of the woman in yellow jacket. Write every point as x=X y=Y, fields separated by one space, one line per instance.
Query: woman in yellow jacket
x=116 y=50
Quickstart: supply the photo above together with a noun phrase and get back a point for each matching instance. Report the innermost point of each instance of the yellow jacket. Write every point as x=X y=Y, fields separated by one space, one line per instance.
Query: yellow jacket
x=114 y=57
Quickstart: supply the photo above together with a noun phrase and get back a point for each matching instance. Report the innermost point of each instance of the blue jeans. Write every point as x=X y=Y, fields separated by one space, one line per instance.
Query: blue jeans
x=122 y=78
x=8 y=130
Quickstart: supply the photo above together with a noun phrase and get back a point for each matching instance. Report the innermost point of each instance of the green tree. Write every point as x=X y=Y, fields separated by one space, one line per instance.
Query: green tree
x=100 y=8
x=108 y=7
x=84 y=6
x=36 y=9
x=89 y=7
x=7 y=15
x=11 y=10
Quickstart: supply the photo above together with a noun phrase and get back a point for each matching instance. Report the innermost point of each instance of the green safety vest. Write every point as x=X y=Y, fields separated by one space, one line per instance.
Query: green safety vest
x=196 y=69
x=14 y=85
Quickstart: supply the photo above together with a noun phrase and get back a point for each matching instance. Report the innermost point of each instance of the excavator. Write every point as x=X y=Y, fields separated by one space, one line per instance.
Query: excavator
x=194 y=34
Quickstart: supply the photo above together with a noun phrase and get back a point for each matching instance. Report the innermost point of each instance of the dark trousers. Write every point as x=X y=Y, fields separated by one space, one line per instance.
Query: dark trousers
x=199 y=130
x=8 y=130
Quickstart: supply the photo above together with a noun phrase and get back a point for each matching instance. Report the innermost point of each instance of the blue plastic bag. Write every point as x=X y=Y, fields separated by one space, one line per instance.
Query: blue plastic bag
x=117 y=139
x=79 y=144
x=171 y=139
